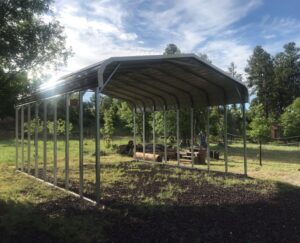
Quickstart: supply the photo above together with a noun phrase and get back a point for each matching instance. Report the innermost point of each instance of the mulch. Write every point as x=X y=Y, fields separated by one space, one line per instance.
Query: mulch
x=200 y=212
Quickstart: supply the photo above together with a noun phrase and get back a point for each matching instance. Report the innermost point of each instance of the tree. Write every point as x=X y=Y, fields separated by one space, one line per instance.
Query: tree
x=235 y=120
x=290 y=119
x=108 y=126
x=126 y=115
x=204 y=57
x=216 y=123
x=260 y=127
x=28 y=42
x=287 y=75
x=260 y=78
x=171 y=49
x=232 y=69
x=12 y=85
x=170 y=124
x=234 y=114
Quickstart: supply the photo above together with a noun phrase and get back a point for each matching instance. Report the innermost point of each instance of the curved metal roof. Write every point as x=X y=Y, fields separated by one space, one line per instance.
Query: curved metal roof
x=154 y=82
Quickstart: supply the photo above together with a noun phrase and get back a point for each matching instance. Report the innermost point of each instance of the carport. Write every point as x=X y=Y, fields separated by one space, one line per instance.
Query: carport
x=147 y=84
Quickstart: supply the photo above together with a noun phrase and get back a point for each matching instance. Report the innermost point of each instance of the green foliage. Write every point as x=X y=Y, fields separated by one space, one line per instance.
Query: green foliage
x=235 y=120
x=108 y=126
x=215 y=122
x=275 y=81
x=290 y=119
x=13 y=84
x=170 y=123
x=61 y=124
x=28 y=42
x=126 y=115
x=27 y=39
x=287 y=76
x=260 y=126
x=260 y=72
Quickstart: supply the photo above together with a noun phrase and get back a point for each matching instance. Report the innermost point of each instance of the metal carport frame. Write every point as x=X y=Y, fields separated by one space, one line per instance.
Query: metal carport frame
x=147 y=84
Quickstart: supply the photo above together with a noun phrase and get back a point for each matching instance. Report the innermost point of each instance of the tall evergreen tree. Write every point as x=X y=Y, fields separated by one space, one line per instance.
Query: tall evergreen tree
x=260 y=72
x=287 y=75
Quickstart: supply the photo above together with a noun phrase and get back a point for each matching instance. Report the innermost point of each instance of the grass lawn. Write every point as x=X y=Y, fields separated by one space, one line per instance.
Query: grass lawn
x=146 y=202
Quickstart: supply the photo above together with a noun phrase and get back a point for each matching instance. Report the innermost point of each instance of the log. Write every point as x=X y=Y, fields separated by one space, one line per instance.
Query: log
x=148 y=156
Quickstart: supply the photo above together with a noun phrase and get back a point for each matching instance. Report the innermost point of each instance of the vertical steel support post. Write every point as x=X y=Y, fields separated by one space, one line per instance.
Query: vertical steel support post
x=22 y=137
x=244 y=139
x=36 y=137
x=153 y=131
x=225 y=140
x=45 y=141
x=192 y=136
x=144 y=136
x=207 y=139
x=55 y=142
x=165 y=137
x=67 y=123
x=177 y=133
x=97 y=144
x=29 y=138
x=134 y=135
x=81 y=93
x=17 y=138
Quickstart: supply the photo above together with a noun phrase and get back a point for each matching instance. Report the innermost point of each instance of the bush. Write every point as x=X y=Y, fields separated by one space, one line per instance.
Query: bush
x=290 y=119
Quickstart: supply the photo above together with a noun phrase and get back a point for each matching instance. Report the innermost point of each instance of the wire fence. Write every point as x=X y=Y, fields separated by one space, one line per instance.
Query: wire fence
x=285 y=141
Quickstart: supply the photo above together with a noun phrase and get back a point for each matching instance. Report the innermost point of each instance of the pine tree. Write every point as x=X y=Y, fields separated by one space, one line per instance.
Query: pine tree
x=287 y=75
x=260 y=72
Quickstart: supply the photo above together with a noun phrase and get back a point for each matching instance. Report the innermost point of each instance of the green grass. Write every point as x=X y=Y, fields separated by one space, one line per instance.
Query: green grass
x=280 y=163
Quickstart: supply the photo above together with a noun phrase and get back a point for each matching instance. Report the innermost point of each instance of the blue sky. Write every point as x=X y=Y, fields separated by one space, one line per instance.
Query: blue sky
x=226 y=30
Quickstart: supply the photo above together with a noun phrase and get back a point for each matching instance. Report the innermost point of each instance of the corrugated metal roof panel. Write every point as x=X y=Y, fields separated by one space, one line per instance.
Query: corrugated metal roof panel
x=154 y=82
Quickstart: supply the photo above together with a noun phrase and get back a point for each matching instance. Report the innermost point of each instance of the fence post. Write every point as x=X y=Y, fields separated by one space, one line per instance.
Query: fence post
x=244 y=138
x=81 y=93
x=67 y=120
x=36 y=138
x=207 y=139
x=17 y=138
x=192 y=136
x=177 y=133
x=22 y=137
x=165 y=137
x=225 y=140
x=97 y=144
x=55 y=142
x=28 y=138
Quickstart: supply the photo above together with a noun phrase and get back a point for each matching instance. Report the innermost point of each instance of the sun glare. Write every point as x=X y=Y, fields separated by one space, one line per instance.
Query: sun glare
x=51 y=82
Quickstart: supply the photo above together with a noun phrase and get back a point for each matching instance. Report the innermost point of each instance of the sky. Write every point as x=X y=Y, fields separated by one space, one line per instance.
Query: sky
x=226 y=30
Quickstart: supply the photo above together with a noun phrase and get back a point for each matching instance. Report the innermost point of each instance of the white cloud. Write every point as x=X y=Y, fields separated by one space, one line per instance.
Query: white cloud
x=223 y=52
x=100 y=29
x=279 y=27
x=96 y=33
x=190 y=22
